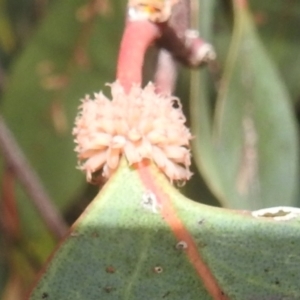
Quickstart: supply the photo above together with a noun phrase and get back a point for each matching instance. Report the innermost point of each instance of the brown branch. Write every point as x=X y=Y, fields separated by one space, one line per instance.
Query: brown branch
x=184 y=44
x=10 y=226
x=179 y=43
x=30 y=181
x=8 y=206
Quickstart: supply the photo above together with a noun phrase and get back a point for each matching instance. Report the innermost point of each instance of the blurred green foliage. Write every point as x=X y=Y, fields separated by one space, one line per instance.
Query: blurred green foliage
x=54 y=52
x=248 y=149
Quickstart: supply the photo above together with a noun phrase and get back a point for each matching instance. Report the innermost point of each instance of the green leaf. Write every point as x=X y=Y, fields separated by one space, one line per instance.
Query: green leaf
x=251 y=156
x=278 y=22
x=141 y=239
x=201 y=112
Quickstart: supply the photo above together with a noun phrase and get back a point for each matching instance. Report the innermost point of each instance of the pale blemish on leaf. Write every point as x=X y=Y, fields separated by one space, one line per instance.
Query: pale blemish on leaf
x=158 y=269
x=59 y=119
x=150 y=202
x=94 y=8
x=181 y=245
x=54 y=82
x=45 y=67
x=248 y=172
x=280 y=213
x=50 y=80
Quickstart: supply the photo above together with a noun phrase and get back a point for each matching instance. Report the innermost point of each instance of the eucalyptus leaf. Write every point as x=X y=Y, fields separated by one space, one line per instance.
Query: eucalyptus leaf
x=201 y=111
x=251 y=157
x=278 y=23
x=133 y=242
x=255 y=130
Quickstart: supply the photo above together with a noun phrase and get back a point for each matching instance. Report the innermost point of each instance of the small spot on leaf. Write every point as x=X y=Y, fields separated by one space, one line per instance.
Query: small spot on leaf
x=150 y=202
x=166 y=294
x=110 y=269
x=181 y=245
x=158 y=269
x=54 y=82
x=108 y=289
x=201 y=222
x=45 y=295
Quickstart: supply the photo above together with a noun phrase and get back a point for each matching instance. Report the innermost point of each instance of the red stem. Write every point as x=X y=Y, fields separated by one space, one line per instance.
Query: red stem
x=137 y=37
x=9 y=212
x=15 y=158
x=170 y=216
x=242 y=4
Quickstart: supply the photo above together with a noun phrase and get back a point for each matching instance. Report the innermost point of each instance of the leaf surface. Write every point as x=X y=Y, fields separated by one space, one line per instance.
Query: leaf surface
x=129 y=246
x=278 y=22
